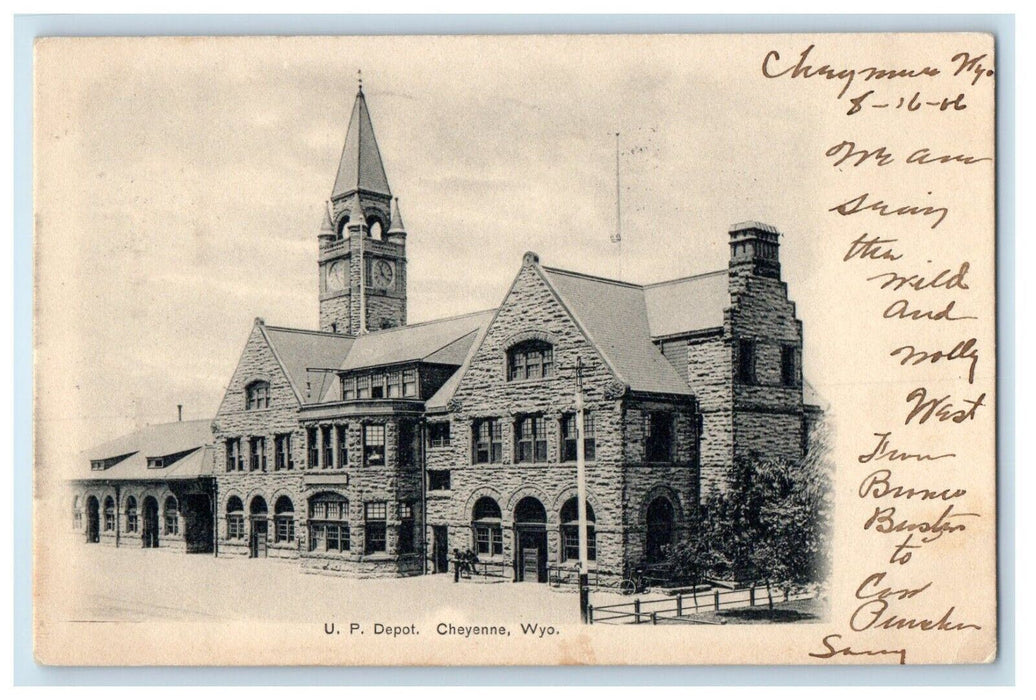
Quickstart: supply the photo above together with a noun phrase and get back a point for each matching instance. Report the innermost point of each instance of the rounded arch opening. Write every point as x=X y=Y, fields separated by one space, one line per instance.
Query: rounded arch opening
x=661 y=521
x=529 y=511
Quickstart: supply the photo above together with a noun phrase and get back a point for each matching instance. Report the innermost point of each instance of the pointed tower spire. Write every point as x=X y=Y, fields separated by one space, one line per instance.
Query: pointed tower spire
x=326 y=236
x=356 y=217
x=397 y=232
x=360 y=168
x=397 y=218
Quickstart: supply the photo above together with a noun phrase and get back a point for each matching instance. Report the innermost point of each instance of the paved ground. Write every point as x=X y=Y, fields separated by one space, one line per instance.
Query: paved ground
x=132 y=584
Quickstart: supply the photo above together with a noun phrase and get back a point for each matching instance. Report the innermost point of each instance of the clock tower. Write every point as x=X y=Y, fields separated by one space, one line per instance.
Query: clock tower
x=362 y=258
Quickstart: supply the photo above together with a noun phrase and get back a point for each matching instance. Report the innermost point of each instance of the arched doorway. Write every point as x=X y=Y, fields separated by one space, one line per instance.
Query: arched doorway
x=257 y=512
x=660 y=520
x=93 y=520
x=530 y=527
x=149 y=531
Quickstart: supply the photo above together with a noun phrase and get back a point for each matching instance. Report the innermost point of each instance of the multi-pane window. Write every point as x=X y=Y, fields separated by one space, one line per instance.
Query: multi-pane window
x=405 y=544
x=789 y=366
x=375 y=528
x=658 y=436
x=363 y=387
x=109 y=514
x=488 y=441
x=172 y=517
x=257 y=452
x=485 y=520
x=312 y=447
x=235 y=519
x=377 y=386
x=410 y=383
x=348 y=388
x=438 y=479
x=257 y=395
x=132 y=520
x=328 y=523
x=438 y=434
x=327 y=442
x=343 y=446
x=568 y=437
x=282 y=458
x=374 y=444
x=530 y=439
x=394 y=385
x=532 y=359
x=570 y=531
x=284 y=520
x=235 y=458
x=746 y=361
x=155 y=462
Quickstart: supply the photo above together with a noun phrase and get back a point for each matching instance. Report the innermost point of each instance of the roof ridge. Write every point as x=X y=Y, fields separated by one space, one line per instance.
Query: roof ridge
x=309 y=331
x=597 y=278
x=688 y=277
x=382 y=331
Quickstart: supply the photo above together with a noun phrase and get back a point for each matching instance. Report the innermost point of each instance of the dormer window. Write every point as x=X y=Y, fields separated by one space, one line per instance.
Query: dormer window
x=257 y=395
x=155 y=462
x=532 y=359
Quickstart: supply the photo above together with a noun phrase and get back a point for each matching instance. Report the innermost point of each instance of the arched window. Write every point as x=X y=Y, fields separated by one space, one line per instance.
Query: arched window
x=375 y=227
x=660 y=521
x=109 y=514
x=485 y=521
x=284 y=520
x=531 y=359
x=172 y=517
x=257 y=395
x=328 y=523
x=132 y=521
x=530 y=511
x=570 y=531
x=235 y=519
x=77 y=514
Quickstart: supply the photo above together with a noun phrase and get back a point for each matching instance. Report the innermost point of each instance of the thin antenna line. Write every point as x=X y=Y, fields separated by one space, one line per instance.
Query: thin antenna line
x=617 y=238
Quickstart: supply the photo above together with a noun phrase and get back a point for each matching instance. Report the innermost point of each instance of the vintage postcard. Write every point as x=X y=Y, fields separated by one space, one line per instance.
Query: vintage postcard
x=515 y=350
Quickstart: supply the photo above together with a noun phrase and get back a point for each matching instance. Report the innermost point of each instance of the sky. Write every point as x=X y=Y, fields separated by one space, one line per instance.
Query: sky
x=181 y=182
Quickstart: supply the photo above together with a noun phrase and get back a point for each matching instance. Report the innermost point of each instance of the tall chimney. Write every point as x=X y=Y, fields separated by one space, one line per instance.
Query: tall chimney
x=179 y=412
x=754 y=247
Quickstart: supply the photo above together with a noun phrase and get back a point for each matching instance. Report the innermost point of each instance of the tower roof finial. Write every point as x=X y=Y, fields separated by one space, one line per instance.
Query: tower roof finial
x=359 y=80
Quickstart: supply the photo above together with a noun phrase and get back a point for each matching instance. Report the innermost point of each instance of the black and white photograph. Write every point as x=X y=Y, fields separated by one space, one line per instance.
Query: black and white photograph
x=672 y=349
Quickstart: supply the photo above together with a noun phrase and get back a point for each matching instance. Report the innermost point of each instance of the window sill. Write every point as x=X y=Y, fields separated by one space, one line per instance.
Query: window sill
x=536 y=380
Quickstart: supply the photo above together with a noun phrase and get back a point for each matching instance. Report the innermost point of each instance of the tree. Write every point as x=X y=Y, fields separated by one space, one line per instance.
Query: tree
x=769 y=524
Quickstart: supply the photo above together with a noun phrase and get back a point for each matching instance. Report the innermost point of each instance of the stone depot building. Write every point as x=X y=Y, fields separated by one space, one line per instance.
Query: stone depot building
x=374 y=447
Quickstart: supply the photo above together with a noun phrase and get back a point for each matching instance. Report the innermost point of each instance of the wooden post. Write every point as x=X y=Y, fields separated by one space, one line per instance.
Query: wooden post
x=636 y=609
x=589 y=614
x=654 y=618
x=679 y=604
x=717 y=600
x=751 y=596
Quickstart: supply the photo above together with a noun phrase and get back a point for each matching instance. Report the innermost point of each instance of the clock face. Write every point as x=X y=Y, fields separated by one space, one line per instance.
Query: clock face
x=336 y=276
x=382 y=274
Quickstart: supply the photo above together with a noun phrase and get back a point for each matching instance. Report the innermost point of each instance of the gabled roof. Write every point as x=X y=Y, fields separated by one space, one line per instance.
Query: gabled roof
x=445 y=341
x=688 y=304
x=614 y=317
x=360 y=167
x=300 y=350
x=186 y=441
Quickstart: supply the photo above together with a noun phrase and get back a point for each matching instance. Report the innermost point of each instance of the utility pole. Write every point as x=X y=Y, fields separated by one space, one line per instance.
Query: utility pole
x=584 y=578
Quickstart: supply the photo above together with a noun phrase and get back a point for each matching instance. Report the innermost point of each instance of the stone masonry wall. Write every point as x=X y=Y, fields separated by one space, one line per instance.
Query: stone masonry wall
x=532 y=310
x=234 y=420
